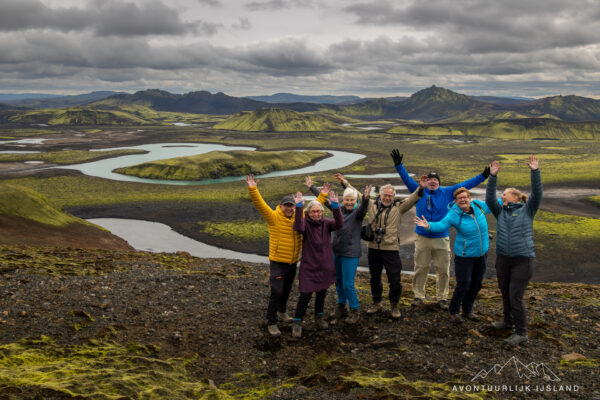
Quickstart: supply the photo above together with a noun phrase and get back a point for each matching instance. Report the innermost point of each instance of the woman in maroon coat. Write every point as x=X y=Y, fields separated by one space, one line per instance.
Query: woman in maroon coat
x=317 y=269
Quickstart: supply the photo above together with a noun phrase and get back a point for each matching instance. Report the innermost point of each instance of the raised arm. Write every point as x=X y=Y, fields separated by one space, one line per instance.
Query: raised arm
x=363 y=207
x=440 y=226
x=535 y=198
x=490 y=192
x=338 y=218
x=410 y=201
x=308 y=181
x=409 y=182
x=299 y=225
x=263 y=208
x=345 y=184
x=474 y=181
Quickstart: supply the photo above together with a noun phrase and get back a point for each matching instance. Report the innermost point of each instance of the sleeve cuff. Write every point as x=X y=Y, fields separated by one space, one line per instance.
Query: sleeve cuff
x=335 y=205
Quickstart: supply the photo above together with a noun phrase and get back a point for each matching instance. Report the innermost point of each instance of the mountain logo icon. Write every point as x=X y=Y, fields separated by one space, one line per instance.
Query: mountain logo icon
x=523 y=371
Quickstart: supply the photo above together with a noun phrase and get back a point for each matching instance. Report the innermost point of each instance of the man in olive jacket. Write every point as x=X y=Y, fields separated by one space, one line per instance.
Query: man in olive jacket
x=385 y=214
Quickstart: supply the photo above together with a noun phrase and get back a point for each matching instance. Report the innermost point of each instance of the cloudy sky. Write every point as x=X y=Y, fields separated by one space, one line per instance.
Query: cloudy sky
x=250 y=47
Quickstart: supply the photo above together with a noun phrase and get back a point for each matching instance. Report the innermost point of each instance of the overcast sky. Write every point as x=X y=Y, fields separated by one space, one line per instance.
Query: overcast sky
x=250 y=47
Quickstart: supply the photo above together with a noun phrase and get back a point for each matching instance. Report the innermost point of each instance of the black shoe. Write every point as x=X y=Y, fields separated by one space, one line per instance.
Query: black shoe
x=501 y=325
x=340 y=312
x=456 y=319
x=471 y=317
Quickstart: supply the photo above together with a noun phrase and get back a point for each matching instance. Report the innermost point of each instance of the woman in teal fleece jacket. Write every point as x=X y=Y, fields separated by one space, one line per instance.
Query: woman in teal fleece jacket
x=514 y=246
x=470 y=249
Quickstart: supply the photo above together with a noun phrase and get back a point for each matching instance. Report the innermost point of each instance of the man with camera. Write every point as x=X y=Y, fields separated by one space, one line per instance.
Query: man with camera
x=385 y=213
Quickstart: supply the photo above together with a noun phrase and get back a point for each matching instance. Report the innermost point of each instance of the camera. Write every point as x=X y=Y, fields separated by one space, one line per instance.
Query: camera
x=379 y=232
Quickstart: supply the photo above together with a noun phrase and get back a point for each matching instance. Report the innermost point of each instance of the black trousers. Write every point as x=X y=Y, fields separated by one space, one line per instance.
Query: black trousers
x=304 y=300
x=514 y=274
x=390 y=260
x=281 y=279
x=469 y=272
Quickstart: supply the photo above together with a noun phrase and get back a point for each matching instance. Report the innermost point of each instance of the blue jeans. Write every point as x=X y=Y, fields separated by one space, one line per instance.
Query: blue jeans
x=345 y=271
x=469 y=273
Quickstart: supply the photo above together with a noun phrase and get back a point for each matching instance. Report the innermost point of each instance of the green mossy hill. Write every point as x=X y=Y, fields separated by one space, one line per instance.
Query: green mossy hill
x=527 y=129
x=18 y=201
x=218 y=164
x=277 y=120
x=78 y=116
x=567 y=108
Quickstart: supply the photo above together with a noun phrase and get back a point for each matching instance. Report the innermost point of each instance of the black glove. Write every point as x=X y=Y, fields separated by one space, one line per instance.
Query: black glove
x=397 y=157
x=486 y=172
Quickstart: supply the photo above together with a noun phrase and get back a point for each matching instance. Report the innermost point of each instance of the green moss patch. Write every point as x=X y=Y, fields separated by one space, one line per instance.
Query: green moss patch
x=277 y=120
x=566 y=228
x=17 y=201
x=237 y=230
x=99 y=370
x=68 y=156
x=218 y=164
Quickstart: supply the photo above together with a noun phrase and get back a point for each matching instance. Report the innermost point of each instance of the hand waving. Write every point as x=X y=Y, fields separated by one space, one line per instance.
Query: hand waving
x=298 y=198
x=397 y=157
x=326 y=187
x=422 y=222
x=333 y=196
x=494 y=168
x=339 y=177
x=533 y=163
x=367 y=192
x=308 y=181
x=250 y=181
x=423 y=181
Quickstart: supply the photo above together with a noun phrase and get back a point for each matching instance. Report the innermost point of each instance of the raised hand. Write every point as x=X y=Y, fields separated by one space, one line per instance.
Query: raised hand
x=339 y=177
x=298 y=197
x=333 y=196
x=494 y=168
x=486 y=172
x=367 y=192
x=423 y=181
x=250 y=181
x=533 y=163
x=326 y=187
x=397 y=157
x=308 y=181
x=422 y=222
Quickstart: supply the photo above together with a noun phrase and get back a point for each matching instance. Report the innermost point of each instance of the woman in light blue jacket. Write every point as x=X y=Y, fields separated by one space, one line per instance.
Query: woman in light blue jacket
x=470 y=249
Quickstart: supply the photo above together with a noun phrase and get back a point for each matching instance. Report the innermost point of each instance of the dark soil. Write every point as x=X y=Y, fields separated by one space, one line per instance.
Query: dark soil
x=215 y=309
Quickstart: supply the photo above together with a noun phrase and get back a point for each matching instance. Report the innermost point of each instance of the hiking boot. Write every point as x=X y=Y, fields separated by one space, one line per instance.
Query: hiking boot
x=274 y=330
x=297 y=328
x=502 y=325
x=374 y=308
x=284 y=317
x=395 y=311
x=320 y=322
x=471 y=317
x=443 y=304
x=416 y=302
x=340 y=312
x=515 y=339
x=352 y=317
x=456 y=319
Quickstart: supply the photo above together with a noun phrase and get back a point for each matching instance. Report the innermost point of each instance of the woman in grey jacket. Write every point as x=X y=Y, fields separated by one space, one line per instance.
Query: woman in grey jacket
x=514 y=246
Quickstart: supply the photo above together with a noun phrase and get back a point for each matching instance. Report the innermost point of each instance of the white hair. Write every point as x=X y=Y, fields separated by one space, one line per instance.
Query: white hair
x=349 y=192
x=312 y=204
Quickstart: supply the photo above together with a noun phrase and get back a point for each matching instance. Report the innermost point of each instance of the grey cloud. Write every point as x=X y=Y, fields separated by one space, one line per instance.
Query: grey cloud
x=242 y=24
x=483 y=26
x=104 y=17
x=274 y=5
x=211 y=3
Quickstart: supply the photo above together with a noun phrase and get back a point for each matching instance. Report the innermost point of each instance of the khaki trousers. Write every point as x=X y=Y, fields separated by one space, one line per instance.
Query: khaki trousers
x=438 y=250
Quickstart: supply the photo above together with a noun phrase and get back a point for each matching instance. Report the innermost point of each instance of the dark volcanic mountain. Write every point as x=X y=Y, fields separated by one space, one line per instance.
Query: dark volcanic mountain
x=194 y=102
x=567 y=108
x=295 y=98
x=63 y=101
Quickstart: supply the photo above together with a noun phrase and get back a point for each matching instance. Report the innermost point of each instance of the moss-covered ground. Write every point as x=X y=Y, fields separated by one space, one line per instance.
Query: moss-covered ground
x=67 y=157
x=218 y=164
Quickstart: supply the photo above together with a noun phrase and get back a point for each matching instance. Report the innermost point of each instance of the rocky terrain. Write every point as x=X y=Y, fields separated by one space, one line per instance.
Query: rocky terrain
x=105 y=324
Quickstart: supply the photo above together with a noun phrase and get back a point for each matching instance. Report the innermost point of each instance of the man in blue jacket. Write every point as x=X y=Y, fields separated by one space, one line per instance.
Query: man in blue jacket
x=429 y=245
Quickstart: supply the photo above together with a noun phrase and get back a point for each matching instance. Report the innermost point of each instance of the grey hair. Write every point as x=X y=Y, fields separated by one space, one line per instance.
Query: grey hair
x=312 y=204
x=349 y=192
x=388 y=186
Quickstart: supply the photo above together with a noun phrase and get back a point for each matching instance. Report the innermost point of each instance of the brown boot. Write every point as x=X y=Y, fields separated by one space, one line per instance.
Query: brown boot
x=352 y=317
x=374 y=308
x=395 y=311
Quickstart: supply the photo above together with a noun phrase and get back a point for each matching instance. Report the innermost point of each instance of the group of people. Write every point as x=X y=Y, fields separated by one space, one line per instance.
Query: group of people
x=329 y=249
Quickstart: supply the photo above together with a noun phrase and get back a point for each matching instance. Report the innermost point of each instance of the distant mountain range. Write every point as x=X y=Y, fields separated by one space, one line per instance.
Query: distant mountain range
x=433 y=105
x=38 y=100
x=296 y=98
